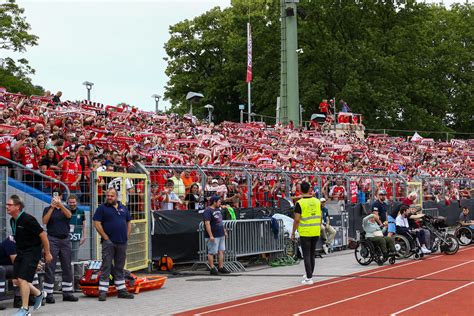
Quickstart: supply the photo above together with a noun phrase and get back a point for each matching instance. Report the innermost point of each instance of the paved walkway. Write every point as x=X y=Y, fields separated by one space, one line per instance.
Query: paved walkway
x=193 y=290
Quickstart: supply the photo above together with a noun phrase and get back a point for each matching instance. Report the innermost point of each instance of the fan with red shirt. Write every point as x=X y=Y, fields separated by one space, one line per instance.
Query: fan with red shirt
x=71 y=172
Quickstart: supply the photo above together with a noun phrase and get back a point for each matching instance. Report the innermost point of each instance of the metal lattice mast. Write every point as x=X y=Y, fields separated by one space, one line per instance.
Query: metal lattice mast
x=289 y=88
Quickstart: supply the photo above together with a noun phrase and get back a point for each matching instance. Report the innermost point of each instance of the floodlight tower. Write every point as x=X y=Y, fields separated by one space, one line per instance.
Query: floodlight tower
x=289 y=89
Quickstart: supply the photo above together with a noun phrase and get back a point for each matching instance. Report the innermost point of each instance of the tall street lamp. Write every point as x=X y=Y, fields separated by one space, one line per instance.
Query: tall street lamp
x=193 y=97
x=209 y=108
x=157 y=99
x=88 y=85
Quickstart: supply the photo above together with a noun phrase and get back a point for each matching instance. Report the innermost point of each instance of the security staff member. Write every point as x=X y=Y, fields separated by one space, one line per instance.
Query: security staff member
x=308 y=223
x=29 y=237
x=112 y=222
x=56 y=218
x=77 y=224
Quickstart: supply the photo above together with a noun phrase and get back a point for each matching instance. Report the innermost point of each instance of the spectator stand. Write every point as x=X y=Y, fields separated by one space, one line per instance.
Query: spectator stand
x=133 y=190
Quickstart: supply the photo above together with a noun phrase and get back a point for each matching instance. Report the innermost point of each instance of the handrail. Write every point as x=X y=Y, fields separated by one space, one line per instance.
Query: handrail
x=56 y=181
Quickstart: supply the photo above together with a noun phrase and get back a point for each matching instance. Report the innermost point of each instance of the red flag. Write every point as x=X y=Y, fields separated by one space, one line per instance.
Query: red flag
x=249 y=53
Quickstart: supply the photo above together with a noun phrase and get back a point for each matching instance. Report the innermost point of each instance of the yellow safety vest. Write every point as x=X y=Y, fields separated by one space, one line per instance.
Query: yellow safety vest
x=310 y=222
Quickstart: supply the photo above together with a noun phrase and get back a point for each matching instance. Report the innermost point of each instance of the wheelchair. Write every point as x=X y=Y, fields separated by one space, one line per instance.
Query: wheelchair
x=464 y=234
x=366 y=252
x=407 y=245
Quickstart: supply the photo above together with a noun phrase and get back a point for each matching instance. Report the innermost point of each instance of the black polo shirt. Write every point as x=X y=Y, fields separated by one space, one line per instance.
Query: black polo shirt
x=27 y=232
x=58 y=224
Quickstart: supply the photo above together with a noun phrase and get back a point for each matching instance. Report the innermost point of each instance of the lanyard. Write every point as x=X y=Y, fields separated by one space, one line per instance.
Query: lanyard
x=14 y=223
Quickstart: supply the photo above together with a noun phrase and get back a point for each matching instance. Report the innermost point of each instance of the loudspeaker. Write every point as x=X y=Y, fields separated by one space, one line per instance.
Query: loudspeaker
x=290 y=12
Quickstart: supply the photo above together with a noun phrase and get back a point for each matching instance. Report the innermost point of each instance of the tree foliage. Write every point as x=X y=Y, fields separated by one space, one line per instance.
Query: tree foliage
x=15 y=37
x=402 y=64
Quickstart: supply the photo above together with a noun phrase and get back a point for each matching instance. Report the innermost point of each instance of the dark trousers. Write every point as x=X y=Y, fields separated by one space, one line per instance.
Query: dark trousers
x=6 y=272
x=113 y=260
x=308 y=245
x=385 y=243
x=60 y=249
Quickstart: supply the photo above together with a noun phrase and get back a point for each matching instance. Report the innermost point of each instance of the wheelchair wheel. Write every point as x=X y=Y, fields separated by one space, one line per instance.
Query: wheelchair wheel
x=378 y=256
x=452 y=245
x=402 y=246
x=391 y=260
x=464 y=235
x=363 y=253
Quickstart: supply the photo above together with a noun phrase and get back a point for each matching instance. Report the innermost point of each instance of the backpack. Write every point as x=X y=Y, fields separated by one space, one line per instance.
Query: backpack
x=165 y=263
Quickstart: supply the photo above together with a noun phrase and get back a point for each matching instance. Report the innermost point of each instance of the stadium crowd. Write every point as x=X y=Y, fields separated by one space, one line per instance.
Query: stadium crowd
x=67 y=140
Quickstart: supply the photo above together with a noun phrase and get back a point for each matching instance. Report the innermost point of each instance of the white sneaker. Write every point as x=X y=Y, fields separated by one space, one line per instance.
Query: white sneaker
x=307 y=282
x=304 y=276
x=325 y=249
x=425 y=250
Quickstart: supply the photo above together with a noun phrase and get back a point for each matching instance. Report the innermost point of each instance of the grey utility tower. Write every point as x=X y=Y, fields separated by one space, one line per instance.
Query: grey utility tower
x=289 y=89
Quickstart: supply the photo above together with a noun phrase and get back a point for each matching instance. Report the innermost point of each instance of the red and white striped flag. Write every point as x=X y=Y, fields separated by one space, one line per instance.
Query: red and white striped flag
x=249 y=53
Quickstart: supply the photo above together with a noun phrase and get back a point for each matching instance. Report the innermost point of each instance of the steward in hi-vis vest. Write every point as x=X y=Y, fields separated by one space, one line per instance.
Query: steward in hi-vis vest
x=308 y=223
x=310 y=220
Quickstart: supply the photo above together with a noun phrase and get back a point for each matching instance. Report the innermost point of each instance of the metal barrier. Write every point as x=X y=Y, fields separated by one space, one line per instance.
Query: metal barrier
x=245 y=238
x=30 y=185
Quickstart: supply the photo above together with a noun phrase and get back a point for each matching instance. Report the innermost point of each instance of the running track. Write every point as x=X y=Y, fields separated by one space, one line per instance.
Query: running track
x=436 y=285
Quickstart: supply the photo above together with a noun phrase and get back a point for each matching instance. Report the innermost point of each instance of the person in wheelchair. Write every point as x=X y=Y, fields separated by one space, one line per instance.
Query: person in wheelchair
x=373 y=233
x=403 y=228
x=464 y=218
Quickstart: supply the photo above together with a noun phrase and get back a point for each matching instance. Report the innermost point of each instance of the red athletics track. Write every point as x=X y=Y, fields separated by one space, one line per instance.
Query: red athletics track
x=436 y=285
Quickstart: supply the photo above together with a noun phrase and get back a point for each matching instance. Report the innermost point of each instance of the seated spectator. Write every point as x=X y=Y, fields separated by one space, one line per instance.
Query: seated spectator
x=464 y=218
x=374 y=234
x=327 y=231
x=403 y=228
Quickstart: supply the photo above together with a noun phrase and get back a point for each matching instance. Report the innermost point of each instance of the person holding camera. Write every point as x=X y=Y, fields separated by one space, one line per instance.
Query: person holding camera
x=56 y=217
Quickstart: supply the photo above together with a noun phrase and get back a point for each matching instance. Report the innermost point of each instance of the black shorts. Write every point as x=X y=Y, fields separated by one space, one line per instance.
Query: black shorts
x=26 y=263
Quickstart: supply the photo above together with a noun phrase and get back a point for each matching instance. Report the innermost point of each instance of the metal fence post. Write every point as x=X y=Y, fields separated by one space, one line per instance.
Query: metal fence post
x=3 y=201
x=94 y=205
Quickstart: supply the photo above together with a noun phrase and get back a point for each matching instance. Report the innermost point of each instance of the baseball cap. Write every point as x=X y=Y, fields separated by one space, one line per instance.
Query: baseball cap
x=214 y=181
x=323 y=200
x=382 y=192
x=214 y=199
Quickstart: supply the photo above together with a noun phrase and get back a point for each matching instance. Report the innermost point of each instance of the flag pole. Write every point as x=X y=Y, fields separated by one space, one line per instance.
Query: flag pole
x=249 y=71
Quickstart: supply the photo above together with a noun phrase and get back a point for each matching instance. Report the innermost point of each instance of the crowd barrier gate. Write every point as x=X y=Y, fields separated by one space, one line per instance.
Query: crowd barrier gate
x=246 y=238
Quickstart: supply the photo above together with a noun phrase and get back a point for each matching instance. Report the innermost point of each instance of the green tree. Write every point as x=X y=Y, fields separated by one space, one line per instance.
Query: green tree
x=15 y=36
x=402 y=64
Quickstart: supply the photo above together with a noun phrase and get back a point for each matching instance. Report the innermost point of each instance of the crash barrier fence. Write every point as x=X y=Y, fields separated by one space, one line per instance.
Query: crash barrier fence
x=247 y=186
x=253 y=189
x=245 y=238
x=35 y=188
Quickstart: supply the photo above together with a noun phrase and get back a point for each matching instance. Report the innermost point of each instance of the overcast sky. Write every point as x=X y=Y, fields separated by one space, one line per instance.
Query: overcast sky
x=117 y=45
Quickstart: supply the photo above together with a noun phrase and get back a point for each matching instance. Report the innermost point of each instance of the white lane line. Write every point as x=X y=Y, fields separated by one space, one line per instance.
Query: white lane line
x=381 y=289
x=403 y=264
x=432 y=299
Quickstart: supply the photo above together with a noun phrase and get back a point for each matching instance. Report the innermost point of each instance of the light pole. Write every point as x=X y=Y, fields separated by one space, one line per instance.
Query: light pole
x=209 y=108
x=193 y=97
x=157 y=99
x=241 y=108
x=88 y=85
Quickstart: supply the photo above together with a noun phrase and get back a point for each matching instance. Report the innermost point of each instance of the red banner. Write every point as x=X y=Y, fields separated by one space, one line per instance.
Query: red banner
x=249 y=53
